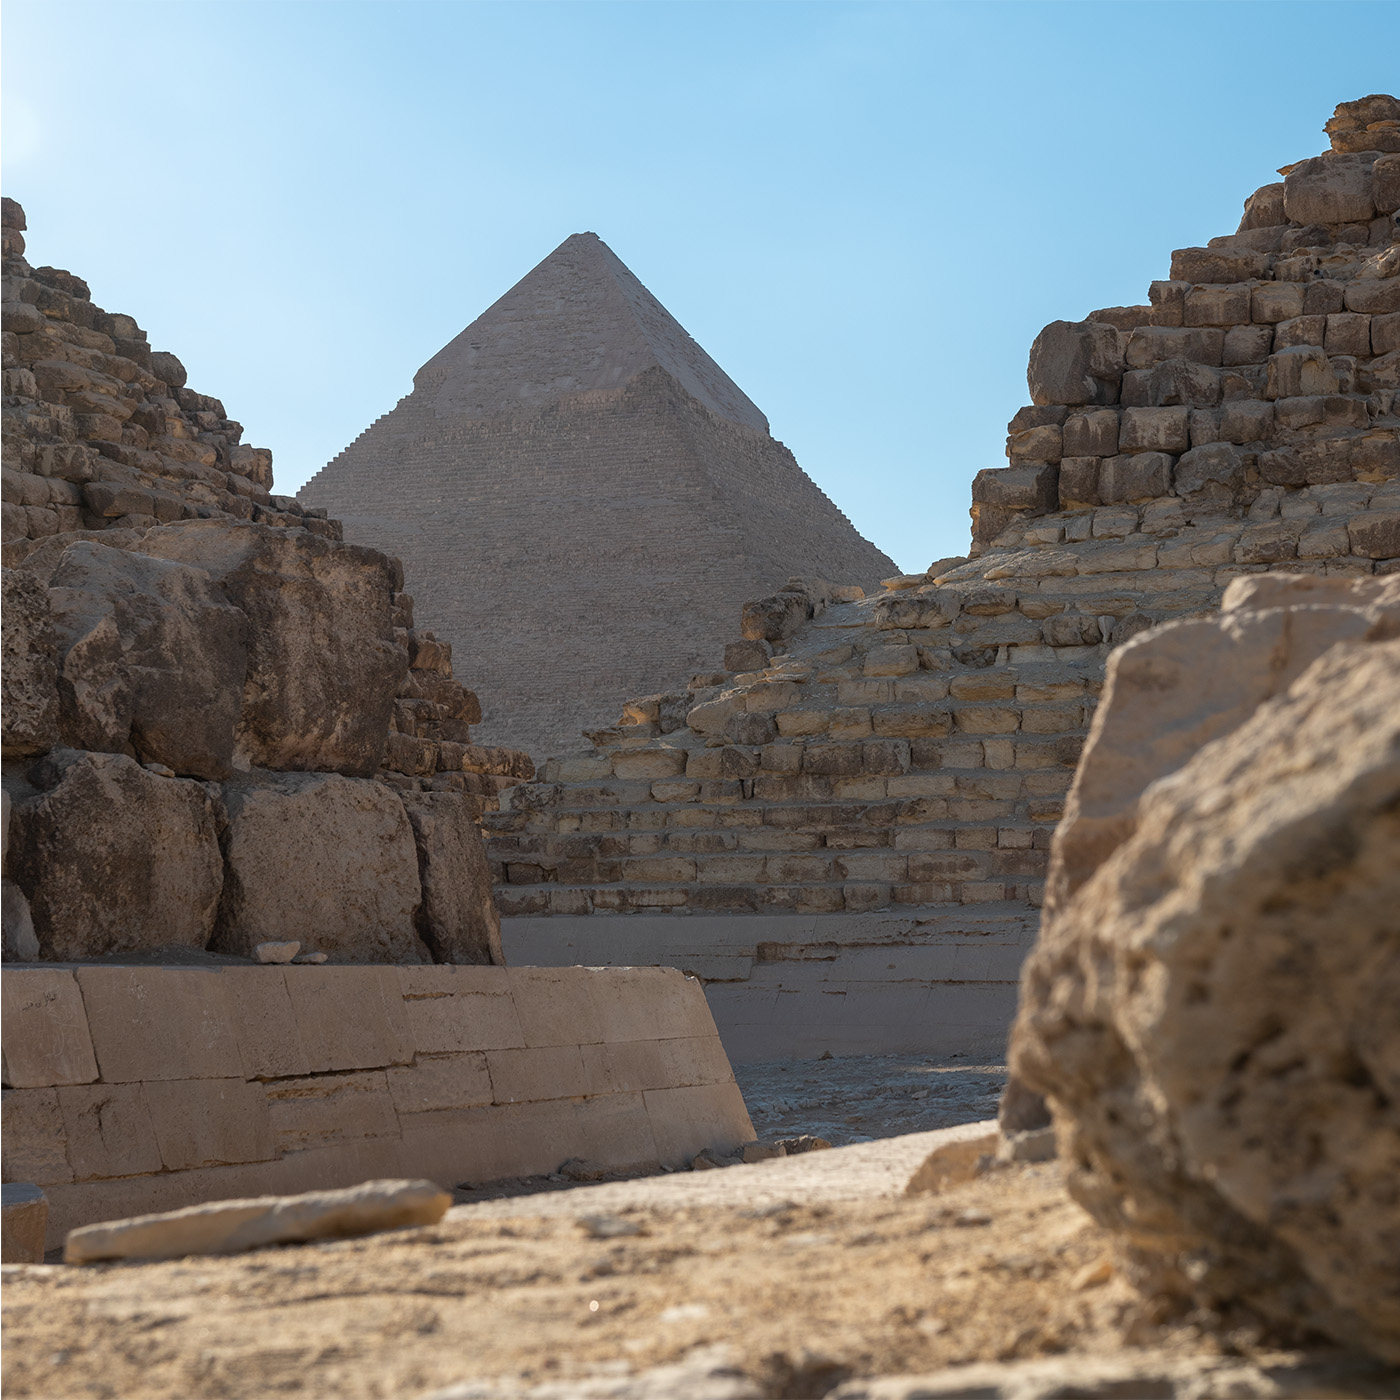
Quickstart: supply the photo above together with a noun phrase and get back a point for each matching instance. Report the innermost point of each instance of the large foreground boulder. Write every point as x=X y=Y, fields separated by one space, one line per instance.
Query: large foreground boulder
x=324 y=859
x=114 y=858
x=1210 y=1009
x=323 y=664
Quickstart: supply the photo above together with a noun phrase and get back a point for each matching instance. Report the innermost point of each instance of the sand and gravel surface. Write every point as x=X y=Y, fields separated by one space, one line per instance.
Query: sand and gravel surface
x=783 y=1278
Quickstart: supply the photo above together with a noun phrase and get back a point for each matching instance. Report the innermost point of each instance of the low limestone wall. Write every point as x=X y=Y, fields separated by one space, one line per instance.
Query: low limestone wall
x=937 y=980
x=131 y=1089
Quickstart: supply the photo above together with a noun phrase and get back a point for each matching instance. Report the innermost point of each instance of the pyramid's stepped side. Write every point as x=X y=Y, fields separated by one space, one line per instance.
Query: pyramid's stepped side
x=575 y=468
x=220 y=724
x=103 y=441
x=861 y=802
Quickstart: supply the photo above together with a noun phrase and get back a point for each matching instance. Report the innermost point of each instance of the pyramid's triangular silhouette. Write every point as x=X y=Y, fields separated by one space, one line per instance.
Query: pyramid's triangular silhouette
x=578 y=321
x=583 y=500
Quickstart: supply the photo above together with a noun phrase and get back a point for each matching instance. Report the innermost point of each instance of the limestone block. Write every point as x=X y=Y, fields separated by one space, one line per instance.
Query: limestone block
x=351 y=1017
x=1385 y=333
x=323 y=663
x=1375 y=535
x=1075 y=363
x=1017 y=488
x=230 y=1227
x=24 y=1218
x=1138 y=477
x=1247 y=420
x=554 y=1007
x=113 y=858
x=1093 y=433
x=458 y=918
x=1271 y=302
x=1348 y=333
x=326 y=859
x=1150 y=345
x=156 y=1023
x=1374 y=297
x=109 y=1131
x=1330 y=189
x=1218 y=264
x=776 y=618
x=28 y=675
x=265 y=1023
x=152 y=658
x=891 y=661
x=1247 y=345
x=434 y=1082
x=1227 y=305
x=34 y=1141
x=44 y=1029
x=1079 y=480
x=1216 y=470
x=687 y=1120
x=1034 y=445
x=209 y=1122
x=330 y=1109
x=1211 y=1015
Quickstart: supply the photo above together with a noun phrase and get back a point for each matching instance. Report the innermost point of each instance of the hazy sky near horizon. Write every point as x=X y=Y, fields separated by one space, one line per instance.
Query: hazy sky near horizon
x=863 y=211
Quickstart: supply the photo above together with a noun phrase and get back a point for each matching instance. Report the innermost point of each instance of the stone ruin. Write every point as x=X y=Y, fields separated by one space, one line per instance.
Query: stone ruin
x=225 y=742
x=575 y=467
x=220 y=726
x=886 y=773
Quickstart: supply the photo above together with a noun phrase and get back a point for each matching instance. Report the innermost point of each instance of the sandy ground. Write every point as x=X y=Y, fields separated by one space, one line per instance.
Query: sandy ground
x=787 y=1278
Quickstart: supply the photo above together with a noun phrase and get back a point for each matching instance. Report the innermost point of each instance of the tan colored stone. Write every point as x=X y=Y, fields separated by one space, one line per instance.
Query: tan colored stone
x=159 y=1023
x=555 y=1006
x=109 y=1131
x=327 y=859
x=532 y=1075
x=209 y=1122
x=435 y=1082
x=329 y=1109
x=952 y=1164
x=44 y=1029
x=350 y=1017
x=114 y=858
x=1210 y=1012
x=34 y=1140
x=269 y=1038
x=686 y=1121
x=229 y=1227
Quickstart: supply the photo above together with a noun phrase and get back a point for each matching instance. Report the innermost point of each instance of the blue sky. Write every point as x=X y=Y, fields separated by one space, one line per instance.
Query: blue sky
x=865 y=212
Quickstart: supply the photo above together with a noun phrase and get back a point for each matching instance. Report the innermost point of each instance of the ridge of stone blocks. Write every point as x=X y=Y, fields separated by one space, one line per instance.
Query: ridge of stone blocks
x=132 y=1089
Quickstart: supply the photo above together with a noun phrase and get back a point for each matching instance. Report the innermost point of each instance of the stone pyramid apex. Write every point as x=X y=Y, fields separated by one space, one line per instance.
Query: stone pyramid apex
x=579 y=322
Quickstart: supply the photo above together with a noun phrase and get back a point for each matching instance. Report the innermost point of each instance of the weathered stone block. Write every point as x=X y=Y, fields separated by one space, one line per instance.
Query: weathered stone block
x=1090 y=434
x=29 y=700
x=323 y=665
x=209 y=1122
x=1330 y=189
x=108 y=1129
x=152 y=659
x=323 y=858
x=1301 y=369
x=330 y=1109
x=44 y=1029
x=1075 y=363
x=34 y=1141
x=457 y=918
x=113 y=858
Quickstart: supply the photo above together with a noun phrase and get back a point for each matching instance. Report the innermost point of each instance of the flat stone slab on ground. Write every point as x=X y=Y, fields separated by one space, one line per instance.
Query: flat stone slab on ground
x=230 y=1227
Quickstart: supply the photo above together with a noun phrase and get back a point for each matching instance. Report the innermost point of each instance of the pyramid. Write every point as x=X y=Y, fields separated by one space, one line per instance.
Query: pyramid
x=582 y=498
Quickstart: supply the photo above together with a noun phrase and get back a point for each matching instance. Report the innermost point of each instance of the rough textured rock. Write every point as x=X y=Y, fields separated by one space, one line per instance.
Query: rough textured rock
x=1210 y=1009
x=669 y=501
x=230 y=1227
x=323 y=664
x=457 y=918
x=115 y=859
x=327 y=858
x=29 y=699
x=152 y=659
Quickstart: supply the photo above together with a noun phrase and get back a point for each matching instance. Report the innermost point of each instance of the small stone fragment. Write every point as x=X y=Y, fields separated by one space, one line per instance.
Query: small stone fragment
x=803 y=1142
x=762 y=1151
x=279 y=952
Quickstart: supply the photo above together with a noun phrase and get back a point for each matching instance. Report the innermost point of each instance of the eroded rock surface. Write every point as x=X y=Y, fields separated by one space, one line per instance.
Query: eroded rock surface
x=114 y=858
x=1210 y=1008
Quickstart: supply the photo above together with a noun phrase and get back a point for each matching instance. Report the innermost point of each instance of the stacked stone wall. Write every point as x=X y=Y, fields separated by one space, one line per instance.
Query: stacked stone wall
x=221 y=727
x=914 y=748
